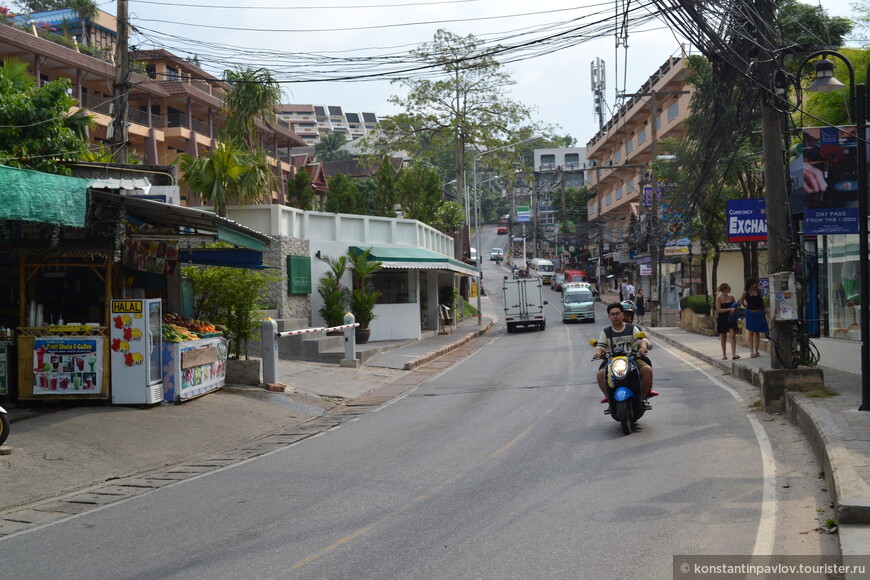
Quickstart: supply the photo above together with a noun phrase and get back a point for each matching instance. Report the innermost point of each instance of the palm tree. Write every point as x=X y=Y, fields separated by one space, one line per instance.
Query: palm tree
x=255 y=95
x=328 y=148
x=229 y=173
x=87 y=11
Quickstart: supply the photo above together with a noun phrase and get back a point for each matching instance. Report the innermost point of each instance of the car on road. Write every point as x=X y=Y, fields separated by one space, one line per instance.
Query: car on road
x=502 y=230
x=578 y=303
x=496 y=254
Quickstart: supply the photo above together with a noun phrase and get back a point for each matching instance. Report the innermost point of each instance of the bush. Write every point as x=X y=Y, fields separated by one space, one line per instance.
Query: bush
x=230 y=296
x=698 y=303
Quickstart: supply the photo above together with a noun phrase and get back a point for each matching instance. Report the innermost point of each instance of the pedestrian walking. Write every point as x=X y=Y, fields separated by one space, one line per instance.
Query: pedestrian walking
x=726 y=320
x=756 y=315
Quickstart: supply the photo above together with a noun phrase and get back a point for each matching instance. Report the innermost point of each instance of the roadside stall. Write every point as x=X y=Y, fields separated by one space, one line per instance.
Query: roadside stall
x=79 y=254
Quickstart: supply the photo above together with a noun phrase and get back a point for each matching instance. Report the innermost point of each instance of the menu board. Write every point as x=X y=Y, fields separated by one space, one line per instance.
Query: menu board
x=67 y=365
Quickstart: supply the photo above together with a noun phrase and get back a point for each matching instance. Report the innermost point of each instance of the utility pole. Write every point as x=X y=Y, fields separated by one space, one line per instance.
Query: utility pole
x=655 y=223
x=781 y=332
x=121 y=87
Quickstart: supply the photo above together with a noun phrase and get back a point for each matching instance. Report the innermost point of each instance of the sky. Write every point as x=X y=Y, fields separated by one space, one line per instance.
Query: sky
x=344 y=52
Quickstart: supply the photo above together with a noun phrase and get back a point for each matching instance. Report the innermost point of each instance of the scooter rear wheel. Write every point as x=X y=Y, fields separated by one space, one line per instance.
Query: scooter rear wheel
x=623 y=409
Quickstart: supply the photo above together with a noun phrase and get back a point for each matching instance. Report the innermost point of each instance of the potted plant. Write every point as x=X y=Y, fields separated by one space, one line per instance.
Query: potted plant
x=334 y=296
x=363 y=296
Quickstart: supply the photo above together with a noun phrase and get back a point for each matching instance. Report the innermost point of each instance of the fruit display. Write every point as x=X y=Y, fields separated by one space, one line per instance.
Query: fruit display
x=179 y=329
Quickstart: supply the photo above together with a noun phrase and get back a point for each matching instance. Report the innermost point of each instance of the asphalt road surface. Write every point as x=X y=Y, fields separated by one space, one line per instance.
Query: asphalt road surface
x=502 y=466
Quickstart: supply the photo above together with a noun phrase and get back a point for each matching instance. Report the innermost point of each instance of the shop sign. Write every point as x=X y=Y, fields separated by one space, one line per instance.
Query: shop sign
x=70 y=366
x=645 y=269
x=747 y=220
x=149 y=256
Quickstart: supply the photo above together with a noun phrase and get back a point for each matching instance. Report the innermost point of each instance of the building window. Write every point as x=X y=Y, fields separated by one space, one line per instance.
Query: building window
x=673 y=111
x=548 y=161
x=659 y=123
x=617 y=156
x=629 y=146
x=609 y=199
x=572 y=160
x=641 y=137
x=619 y=192
x=171 y=73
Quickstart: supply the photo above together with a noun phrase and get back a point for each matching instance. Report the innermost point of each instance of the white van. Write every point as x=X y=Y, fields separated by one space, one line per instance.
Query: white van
x=542 y=268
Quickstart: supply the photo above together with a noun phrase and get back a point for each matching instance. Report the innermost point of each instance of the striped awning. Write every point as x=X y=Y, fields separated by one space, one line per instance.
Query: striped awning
x=409 y=258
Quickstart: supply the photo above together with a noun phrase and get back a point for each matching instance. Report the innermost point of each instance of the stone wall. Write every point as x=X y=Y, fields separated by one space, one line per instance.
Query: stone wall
x=287 y=306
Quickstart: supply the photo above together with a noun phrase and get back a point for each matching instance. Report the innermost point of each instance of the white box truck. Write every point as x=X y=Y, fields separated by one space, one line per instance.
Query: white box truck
x=524 y=303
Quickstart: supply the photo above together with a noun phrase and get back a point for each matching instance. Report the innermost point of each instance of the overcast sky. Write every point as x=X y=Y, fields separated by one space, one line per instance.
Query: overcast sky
x=364 y=41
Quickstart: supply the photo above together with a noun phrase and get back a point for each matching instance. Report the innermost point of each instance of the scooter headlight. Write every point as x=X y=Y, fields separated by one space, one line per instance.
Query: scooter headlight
x=619 y=368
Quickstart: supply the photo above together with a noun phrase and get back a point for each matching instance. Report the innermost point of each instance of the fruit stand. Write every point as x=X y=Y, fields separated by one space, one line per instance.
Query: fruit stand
x=194 y=359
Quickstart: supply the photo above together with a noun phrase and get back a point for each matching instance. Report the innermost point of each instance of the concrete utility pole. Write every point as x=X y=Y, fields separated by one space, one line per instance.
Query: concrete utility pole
x=121 y=87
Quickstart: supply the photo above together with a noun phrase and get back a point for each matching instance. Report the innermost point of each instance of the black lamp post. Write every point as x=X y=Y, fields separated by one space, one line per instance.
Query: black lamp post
x=825 y=82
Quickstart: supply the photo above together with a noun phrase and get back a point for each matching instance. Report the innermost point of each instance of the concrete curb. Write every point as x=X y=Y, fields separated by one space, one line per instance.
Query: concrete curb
x=850 y=491
x=447 y=348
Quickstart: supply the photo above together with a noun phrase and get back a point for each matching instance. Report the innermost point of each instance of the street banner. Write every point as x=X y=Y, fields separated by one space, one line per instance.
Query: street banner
x=747 y=220
x=829 y=180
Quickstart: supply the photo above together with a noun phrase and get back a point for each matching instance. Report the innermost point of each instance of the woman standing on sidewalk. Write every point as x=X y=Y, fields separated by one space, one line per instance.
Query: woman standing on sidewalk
x=726 y=320
x=640 y=306
x=756 y=314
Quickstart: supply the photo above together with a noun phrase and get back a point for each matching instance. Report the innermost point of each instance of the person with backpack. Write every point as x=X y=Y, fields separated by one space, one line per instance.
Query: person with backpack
x=621 y=333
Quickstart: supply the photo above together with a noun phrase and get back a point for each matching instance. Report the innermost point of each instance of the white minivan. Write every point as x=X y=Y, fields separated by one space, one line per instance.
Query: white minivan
x=578 y=303
x=542 y=268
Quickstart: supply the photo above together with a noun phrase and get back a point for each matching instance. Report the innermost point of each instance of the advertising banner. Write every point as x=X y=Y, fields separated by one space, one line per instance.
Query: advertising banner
x=829 y=180
x=67 y=365
x=747 y=220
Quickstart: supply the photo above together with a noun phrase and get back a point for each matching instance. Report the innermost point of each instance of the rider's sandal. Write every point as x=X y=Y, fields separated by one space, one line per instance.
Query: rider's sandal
x=652 y=393
x=604 y=400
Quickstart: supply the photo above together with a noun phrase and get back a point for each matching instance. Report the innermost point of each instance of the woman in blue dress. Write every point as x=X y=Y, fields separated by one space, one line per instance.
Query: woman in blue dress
x=755 y=315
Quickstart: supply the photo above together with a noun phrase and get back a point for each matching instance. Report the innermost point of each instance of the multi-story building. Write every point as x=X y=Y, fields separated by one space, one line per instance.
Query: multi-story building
x=313 y=122
x=175 y=107
x=619 y=169
x=555 y=170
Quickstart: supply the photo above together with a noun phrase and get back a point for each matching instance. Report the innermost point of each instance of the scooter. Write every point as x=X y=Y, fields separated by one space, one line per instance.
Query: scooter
x=4 y=426
x=622 y=383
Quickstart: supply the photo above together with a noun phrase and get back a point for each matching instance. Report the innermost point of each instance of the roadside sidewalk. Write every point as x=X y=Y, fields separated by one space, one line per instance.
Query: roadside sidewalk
x=838 y=432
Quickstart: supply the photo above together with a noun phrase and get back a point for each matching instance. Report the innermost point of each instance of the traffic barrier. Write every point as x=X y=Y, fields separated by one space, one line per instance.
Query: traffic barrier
x=269 y=335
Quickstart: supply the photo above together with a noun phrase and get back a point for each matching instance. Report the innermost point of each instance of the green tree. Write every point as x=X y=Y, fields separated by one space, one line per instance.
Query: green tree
x=300 y=193
x=344 y=196
x=329 y=148
x=465 y=106
x=384 y=202
x=227 y=174
x=37 y=129
x=255 y=94
x=232 y=297
x=418 y=189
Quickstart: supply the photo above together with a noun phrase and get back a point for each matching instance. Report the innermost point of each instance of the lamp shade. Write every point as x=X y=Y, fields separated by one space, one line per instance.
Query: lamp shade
x=825 y=81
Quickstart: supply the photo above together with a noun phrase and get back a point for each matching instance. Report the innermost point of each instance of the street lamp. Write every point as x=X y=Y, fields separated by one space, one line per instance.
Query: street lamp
x=475 y=154
x=825 y=82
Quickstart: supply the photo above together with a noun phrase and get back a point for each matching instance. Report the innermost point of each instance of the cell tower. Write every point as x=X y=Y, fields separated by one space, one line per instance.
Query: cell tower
x=598 y=88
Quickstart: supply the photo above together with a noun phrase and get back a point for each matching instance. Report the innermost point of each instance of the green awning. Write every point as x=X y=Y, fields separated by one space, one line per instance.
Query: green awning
x=33 y=196
x=408 y=258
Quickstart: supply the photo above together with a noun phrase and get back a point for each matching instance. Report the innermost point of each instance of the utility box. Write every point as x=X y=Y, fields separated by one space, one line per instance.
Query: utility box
x=783 y=296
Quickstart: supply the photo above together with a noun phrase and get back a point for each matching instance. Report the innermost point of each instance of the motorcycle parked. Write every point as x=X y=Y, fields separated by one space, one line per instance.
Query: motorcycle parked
x=623 y=387
x=4 y=425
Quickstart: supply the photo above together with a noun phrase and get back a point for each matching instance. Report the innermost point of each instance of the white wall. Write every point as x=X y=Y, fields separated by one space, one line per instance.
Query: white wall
x=332 y=234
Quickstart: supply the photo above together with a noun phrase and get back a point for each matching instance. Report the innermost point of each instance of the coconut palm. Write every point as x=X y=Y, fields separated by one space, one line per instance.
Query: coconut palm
x=363 y=296
x=329 y=148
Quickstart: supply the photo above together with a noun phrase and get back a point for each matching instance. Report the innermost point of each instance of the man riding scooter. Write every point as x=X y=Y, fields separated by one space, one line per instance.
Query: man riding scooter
x=621 y=333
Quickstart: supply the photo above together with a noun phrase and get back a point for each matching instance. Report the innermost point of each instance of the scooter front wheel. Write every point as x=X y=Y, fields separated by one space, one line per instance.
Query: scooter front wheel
x=623 y=410
x=4 y=428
